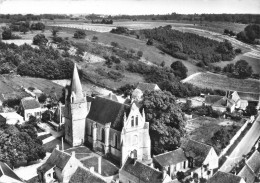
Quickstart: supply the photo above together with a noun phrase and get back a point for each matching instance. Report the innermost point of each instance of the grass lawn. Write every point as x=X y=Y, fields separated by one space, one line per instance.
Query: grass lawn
x=254 y=62
x=217 y=81
x=107 y=169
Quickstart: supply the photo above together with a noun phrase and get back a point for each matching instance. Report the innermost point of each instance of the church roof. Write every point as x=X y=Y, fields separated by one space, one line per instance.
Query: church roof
x=111 y=96
x=104 y=110
x=170 y=158
x=75 y=84
x=142 y=171
x=83 y=175
x=7 y=171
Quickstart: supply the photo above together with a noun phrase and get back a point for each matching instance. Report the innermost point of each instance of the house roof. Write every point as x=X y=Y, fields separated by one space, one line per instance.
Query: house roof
x=171 y=158
x=83 y=175
x=254 y=162
x=30 y=103
x=147 y=86
x=57 y=158
x=221 y=177
x=103 y=111
x=199 y=151
x=11 y=115
x=7 y=171
x=249 y=96
x=111 y=96
x=211 y=99
x=142 y=171
x=247 y=174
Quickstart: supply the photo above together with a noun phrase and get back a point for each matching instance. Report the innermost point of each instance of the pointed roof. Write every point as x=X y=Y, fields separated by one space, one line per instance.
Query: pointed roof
x=7 y=171
x=76 y=84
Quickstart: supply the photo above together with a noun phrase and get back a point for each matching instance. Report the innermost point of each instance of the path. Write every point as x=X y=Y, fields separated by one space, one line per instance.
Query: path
x=243 y=147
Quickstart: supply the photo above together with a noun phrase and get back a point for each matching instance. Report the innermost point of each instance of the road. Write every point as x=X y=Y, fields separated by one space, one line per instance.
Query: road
x=243 y=147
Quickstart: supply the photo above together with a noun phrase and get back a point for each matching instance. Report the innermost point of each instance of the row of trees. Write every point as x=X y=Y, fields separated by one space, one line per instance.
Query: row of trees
x=241 y=69
x=7 y=18
x=184 y=45
x=103 y=21
x=251 y=34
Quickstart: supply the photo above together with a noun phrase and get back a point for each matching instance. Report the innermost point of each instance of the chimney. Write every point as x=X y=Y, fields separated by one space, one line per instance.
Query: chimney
x=73 y=154
x=57 y=147
x=164 y=172
x=99 y=165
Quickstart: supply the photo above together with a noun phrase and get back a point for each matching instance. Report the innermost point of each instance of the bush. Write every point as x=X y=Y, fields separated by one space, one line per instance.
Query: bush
x=238 y=51
x=139 y=54
x=120 y=30
x=114 y=44
x=80 y=34
x=115 y=75
x=150 y=42
x=94 y=39
x=57 y=39
x=12 y=102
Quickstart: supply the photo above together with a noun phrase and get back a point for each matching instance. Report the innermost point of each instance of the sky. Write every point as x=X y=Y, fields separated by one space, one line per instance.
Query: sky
x=130 y=7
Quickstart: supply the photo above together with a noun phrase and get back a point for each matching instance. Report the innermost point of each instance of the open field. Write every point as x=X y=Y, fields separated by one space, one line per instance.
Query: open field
x=9 y=84
x=221 y=82
x=254 y=62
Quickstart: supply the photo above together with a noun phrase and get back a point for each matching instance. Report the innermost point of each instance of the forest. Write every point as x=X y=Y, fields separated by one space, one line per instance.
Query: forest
x=183 y=45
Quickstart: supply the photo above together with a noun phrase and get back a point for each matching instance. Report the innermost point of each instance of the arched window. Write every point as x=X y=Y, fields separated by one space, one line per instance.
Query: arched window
x=136 y=121
x=132 y=121
x=115 y=140
x=91 y=129
x=103 y=135
x=134 y=153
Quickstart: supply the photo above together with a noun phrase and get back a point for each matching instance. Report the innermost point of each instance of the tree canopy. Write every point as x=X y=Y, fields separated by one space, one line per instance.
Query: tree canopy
x=179 y=69
x=166 y=120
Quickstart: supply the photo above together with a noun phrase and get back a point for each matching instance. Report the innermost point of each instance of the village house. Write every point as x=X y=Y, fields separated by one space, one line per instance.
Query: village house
x=29 y=106
x=107 y=126
x=59 y=166
x=8 y=175
x=222 y=177
x=202 y=158
x=134 y=171
x=249 y=99
x=137 y=94
x=10 y=118
x=220 y=103
x=251 y=171
x=173 y=162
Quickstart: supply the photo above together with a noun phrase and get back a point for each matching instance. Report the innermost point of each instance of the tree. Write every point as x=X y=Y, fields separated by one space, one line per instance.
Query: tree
x=42 y=98
x=24 y=29
x=166 y=120
x=150 y=42
x=80 y=34
x=243 y=69
x=55 y=31
x=40 y=39
x=7 y=34
x=179 y=69
x=139 y=53
x=250 y=110
x=180 y=176
x=94 y=39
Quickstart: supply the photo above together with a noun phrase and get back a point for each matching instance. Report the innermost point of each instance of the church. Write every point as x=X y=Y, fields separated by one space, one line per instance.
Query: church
x=115 y=129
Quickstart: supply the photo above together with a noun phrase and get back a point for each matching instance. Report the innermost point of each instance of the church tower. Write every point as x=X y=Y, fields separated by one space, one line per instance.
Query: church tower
x=75 y=112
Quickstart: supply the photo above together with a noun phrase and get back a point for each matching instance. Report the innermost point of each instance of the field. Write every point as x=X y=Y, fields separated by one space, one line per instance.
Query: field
x=12 y=84
x=254 y=62
x=221 y=82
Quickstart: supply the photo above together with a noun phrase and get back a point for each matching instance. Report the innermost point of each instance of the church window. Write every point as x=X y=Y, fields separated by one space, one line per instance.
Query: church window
x=136 y=120
x=103 y=135
x=115 y=140
x=68 y=130
x=134 y=153
x=72 y=99
x=132 y=121
x=91 y=129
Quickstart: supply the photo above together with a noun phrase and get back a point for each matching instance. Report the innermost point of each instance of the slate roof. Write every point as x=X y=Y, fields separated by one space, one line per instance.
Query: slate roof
x=170 y=158
x=249 y=96
x=142 y=171
x=247 y=174
x=57 y=158
x=221 y=177
x=211 y=99
x=30 y=103
x=146 y=86
x=254 y=162
x=6 y=170
x=83 y=175
x=104 y=111
x=197 y=150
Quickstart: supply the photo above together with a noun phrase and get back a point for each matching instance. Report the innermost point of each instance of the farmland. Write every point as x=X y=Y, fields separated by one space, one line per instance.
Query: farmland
x=12 y=85
x=217 y=81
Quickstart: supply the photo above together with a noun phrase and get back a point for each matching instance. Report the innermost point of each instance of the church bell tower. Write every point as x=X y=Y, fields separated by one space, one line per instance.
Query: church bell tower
x=75 y=112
